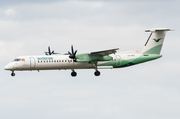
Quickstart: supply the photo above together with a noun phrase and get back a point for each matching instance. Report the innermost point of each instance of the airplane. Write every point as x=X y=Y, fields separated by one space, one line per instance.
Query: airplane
x=105 y=59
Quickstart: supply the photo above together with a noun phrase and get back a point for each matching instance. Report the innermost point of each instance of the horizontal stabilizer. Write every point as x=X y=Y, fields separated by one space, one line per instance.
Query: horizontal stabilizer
x=159 y=29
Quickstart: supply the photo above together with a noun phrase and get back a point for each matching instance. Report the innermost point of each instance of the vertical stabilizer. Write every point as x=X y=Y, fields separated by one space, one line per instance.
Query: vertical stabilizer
x=155 y=41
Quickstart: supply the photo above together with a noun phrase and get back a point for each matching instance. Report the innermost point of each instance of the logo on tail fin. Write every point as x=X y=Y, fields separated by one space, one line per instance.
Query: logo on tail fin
x=157 y=39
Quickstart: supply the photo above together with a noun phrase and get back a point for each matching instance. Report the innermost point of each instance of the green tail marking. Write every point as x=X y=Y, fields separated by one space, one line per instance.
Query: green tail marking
x=157 y=40
x=154 y=50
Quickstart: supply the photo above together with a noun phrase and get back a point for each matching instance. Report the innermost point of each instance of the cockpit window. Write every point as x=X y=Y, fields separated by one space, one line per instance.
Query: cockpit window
x=18 y=59
x=22 y=59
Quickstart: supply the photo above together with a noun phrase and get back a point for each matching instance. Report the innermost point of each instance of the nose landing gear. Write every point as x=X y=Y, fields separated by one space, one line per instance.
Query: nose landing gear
x=12 y=74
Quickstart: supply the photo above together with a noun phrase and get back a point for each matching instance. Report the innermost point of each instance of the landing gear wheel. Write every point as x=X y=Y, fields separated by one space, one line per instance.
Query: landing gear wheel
x=73 y=74
x=12 y=74
x=97 y=73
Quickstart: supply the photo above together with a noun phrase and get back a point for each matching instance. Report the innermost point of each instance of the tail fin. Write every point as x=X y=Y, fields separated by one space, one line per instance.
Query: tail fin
x=155 y=41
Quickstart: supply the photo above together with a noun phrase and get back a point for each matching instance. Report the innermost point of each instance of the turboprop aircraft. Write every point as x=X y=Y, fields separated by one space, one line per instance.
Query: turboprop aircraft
x=106 y=59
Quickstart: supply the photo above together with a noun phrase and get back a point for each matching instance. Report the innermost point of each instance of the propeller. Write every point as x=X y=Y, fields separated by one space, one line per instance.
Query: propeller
x=49 y=51
x=72 y=55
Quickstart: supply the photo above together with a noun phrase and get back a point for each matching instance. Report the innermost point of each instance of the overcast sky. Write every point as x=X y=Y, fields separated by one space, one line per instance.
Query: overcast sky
x=145 y=91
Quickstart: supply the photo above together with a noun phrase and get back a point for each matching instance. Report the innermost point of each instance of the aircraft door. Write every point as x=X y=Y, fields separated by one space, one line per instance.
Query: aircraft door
x=118 y=60
x=32 y=62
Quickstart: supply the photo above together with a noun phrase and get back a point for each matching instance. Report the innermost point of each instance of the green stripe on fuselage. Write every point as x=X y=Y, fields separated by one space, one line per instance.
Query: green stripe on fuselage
x=141 y=59
x=130 y=62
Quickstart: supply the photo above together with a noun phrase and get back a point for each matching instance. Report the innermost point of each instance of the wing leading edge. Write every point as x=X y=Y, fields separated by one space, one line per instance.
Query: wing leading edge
x=96 y=56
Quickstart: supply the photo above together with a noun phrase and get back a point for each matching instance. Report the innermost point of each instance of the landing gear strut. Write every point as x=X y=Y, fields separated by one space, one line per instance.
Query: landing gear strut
x=96 y=73
x=12 y=74
x=73 y=73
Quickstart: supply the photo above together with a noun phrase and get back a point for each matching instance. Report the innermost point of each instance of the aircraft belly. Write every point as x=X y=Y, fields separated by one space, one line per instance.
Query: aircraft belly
x=54 y=66
x=75 y=65
x=82 y=65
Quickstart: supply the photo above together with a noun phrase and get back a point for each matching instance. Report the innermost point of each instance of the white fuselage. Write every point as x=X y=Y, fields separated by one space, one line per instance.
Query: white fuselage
x=49 y=62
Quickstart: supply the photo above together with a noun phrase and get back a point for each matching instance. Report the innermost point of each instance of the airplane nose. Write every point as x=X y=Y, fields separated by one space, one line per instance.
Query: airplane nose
x=8 y=67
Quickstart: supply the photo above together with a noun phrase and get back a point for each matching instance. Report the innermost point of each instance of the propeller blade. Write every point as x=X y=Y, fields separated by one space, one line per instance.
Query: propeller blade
x=75 y=52
x=69 y=52
x=53 y=52
x=72 y=49
x=49 y=50
x=46 y=53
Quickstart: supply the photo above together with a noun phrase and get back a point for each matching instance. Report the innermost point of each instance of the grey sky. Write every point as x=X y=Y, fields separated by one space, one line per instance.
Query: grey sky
x=149 y=90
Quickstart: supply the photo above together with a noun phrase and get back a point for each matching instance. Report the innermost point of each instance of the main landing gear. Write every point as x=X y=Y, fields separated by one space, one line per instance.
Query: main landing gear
x=97 y=73
x=12 y=74
x=73 y=73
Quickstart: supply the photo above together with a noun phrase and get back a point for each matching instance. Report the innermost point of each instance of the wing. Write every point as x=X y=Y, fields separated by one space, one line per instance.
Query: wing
x=104 y=52
x=96 y=56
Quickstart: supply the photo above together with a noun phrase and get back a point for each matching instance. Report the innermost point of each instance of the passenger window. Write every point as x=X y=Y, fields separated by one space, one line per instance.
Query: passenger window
x=46 y=60
x=57 y=60
x=54 y=60
x=62 y=60
x=41 y=61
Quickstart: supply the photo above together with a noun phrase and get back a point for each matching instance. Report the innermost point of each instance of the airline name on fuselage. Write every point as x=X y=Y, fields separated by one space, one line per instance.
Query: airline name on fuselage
x=45 y=58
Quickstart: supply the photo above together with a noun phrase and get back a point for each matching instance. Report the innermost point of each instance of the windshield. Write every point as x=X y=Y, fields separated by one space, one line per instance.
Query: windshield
x=18 y=59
